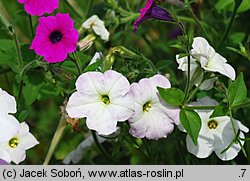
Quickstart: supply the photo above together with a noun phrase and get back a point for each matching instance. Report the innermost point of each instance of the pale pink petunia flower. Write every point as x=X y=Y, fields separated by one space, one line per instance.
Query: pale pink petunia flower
x=55 y=37
x=152 y=119
x=38 y=7
x=103 y=99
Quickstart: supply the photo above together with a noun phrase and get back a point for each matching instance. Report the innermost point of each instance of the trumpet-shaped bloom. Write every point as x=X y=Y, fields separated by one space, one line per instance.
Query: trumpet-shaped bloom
x=37 y=7
x=152 y=119
x=215 y=134
x=97 y=26
x=103 y=99
x=151 y=10
x=8 y=123
x=14 y=149
x=55 y=37
x=208 y=59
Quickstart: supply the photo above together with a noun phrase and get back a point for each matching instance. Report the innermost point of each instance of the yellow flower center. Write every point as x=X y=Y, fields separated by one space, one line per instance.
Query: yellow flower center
x=13 y=143
x=105 y=99
x=212 y=124
x=147 y=106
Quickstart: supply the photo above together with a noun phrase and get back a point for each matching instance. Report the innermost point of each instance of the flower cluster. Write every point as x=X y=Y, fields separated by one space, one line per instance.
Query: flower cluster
x=203 y=56
x=107 y=98
x=216 y=133
x=15 y=138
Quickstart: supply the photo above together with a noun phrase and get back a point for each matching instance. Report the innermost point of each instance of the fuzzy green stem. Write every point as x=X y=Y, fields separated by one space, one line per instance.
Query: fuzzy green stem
x=56 y=138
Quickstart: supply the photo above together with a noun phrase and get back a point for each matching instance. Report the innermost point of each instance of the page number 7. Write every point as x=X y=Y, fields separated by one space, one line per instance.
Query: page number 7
x=243 y=171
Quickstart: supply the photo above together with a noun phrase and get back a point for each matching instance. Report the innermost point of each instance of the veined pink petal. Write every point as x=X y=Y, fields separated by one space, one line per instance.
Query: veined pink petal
x=152 y=119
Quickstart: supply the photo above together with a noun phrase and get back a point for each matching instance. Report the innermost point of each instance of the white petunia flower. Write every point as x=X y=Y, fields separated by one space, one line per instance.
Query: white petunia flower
x=17 y=145
x=8 y=123
x=215 y=134
x=152 y=119
x=98 y=27
x=102 y=98
x=204 y=56
x=209 y=59
x=195 y=74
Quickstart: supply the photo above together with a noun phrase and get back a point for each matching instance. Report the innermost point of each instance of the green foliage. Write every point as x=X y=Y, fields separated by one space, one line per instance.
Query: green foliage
x=219 y=110
x=171 y=96
x=191 y=122
x=41 y=88
x=237 y=91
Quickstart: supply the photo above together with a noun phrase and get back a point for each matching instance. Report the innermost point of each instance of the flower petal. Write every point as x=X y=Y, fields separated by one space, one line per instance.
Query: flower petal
x=7 y=103
x=218 y=64
x=102 y=121
x=8 y=128
x=27 y=139
x=203 y=148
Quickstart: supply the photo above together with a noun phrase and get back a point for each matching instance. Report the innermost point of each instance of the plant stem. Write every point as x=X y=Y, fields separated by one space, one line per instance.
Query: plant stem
x=199 y=107
x=229 y=26
x=31 y=26
x=76 y=64
x=194 y=91
x=73 y=9
x=56 y=138
x=102 y=150
x=188 y=80
x=198 y=22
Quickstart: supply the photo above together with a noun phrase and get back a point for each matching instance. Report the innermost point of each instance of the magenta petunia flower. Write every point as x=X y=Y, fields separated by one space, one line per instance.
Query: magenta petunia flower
x=151 y=10
x=55 y=37
x=38 y=7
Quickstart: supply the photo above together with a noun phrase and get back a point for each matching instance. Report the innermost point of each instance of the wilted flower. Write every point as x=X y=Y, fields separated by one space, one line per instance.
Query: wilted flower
x=103 y=99
x=17 y=145
x=37 y=7
x=151 y=10
x=152 y=119
x=97 y=26
x=8 y=123
x=55 y=37
x=215 y=134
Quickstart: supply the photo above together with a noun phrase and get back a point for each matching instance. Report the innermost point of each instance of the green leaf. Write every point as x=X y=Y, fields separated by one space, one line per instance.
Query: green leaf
x=191 y=122
x=93 y=66
x=171 y=96
x=237 y=91
x=219 y=111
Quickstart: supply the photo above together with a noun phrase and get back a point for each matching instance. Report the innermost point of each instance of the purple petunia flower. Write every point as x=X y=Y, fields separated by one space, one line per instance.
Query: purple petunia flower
x=151 y=10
